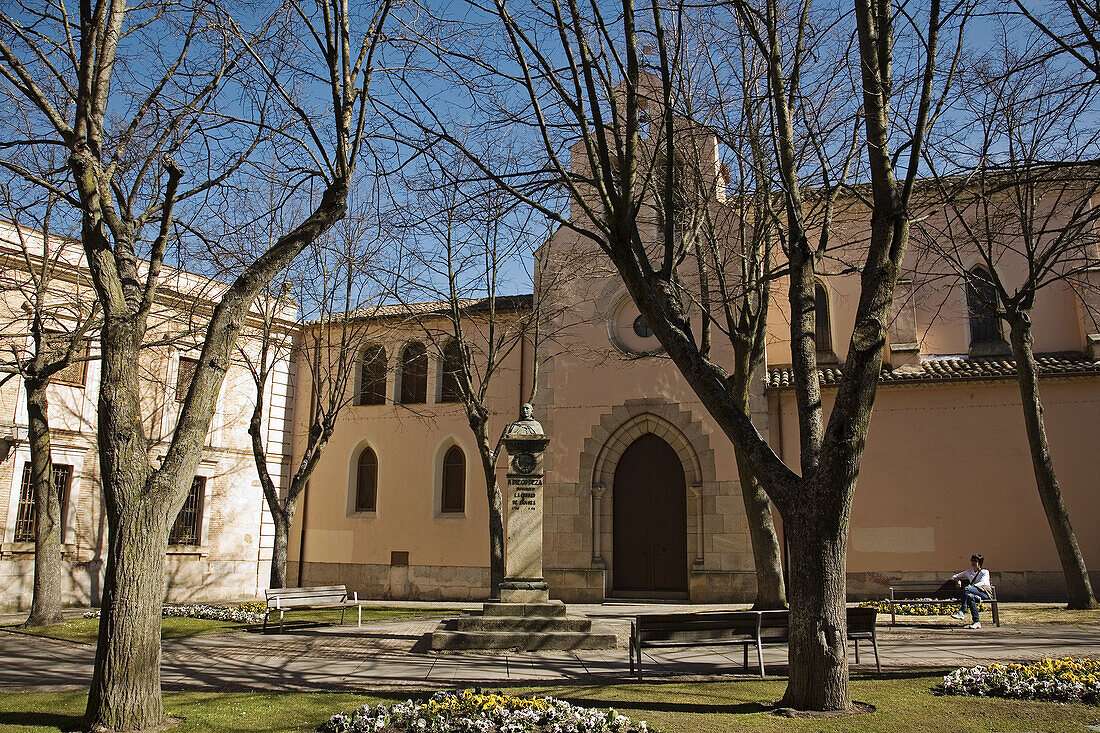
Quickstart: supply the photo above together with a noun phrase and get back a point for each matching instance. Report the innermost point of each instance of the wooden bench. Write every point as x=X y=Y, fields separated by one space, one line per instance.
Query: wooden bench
x=282 y=600
x=713 y=628
x=706 y=628
x=932 y=592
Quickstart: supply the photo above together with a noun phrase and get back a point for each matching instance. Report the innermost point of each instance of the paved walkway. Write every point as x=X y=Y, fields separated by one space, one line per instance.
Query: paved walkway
x=394 y=654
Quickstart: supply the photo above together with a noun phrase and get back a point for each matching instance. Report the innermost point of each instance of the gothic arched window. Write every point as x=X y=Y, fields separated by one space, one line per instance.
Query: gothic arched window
x=981 y=308
x=453 y=499
x=823 y=333
x=366 y=481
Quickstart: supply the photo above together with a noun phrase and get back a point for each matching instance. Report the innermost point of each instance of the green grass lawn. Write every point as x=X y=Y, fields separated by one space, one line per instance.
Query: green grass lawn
x=904 y=703
x=84 y=630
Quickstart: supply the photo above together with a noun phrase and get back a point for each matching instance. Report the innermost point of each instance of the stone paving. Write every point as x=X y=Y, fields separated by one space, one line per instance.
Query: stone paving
x=394 y=654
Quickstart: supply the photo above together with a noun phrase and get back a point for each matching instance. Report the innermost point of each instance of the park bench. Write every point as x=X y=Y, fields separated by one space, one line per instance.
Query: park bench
x=281 y=600
x=706 y=628
x=713 y=628
x=860 y=626
x=932 y=592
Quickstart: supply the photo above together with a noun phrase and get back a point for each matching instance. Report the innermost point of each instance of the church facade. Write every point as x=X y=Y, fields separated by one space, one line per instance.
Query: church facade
x=642 y=496
x=220 y=544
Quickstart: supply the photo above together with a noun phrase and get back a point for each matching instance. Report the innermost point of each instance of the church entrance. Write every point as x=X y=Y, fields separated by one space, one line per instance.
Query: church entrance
x=650 y=520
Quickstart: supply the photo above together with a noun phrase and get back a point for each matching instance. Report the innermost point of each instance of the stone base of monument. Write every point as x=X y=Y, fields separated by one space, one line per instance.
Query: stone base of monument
x=524 y=590
x=529 y=627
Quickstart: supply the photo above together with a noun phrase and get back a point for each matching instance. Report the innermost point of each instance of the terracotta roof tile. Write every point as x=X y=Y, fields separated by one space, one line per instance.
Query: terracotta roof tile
x=441 y=307
x=953 y=368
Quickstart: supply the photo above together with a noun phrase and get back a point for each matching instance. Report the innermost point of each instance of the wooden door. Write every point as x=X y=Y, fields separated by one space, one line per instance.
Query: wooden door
x=650 y=519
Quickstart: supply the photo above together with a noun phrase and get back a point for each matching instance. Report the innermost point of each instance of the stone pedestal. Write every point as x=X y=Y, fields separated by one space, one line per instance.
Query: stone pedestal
x=523 y=581
x=524 y=618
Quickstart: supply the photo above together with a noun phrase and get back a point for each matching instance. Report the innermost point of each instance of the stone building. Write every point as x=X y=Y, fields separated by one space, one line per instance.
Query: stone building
x=221 y=542
x=642 y=498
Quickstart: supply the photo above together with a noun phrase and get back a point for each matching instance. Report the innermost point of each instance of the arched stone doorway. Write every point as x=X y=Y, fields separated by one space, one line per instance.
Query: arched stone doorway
x=650 y=520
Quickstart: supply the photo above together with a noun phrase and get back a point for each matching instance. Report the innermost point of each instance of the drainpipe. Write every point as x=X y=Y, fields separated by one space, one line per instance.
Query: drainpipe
x=775 y=432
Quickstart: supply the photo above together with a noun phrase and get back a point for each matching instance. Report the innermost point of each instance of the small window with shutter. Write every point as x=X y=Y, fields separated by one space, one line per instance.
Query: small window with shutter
x=184 y=376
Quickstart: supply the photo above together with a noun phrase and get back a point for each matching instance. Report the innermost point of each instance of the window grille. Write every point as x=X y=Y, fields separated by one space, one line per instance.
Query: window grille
x=454 y=481
x=451 y=390
x=26 y=516
x=372 y=377
x=188 y=524
x=414 y=374
x=823 y=333
x=981 y=306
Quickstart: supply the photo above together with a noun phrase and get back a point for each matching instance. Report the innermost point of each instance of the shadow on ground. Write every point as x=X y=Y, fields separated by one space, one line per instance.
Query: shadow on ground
x=46 y=720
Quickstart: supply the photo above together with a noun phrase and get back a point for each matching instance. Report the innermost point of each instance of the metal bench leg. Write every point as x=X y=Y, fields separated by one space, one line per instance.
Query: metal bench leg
x=760 y=655
x=360 y=616
x=280 y=621
x=874 y=643
x=343 y=610
x=746 y=662
x=857 y=650
x=266 y=615
x=996 y=612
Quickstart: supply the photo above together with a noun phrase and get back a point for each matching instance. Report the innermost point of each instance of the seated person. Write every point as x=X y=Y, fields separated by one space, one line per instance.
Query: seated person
x=976 y=587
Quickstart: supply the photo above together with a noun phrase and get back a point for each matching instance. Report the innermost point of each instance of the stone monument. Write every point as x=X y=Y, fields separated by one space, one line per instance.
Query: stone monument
x=524 y=618
x=526 y=444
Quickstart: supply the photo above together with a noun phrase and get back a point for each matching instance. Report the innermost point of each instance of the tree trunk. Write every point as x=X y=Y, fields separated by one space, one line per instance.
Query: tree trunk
x=46 y=602
x=282 y=520
x=770 y=592
x=1069 y=553
x=496 y=509
x=125 y=691
x=818 y=661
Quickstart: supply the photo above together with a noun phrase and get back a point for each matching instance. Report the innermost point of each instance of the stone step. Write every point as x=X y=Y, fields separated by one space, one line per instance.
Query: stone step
x=522 y=623
x=443 y=640
x=552 y=609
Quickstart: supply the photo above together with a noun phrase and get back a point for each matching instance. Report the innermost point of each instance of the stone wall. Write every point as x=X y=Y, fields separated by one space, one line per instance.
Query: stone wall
x=402 y=582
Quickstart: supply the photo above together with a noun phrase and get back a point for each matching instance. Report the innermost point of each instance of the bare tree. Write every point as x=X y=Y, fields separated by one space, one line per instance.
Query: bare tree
x=745 y=241
x=42 y=284
x=1017 y=218
x=131 y=124
x=332 y=285
x=464 y=238
x=584 y=83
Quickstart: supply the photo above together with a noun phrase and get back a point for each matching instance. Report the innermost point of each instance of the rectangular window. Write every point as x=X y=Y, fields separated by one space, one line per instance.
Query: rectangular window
x=26 y=516
x=184 y=375
x=188 y=524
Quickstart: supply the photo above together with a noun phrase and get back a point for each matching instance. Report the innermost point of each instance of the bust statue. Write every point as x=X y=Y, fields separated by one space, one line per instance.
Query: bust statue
x=527 y=424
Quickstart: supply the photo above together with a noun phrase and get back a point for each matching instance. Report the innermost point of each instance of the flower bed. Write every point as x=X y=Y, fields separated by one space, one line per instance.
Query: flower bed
x=1058 y=680
x=246 y=613
x=920 y=607
x=476 y=712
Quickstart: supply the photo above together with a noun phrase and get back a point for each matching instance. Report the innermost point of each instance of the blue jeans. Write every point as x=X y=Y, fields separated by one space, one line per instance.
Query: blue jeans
x=971 y=596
